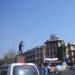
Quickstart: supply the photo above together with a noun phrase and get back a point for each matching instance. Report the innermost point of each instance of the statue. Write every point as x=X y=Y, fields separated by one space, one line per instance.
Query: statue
x=20 y=58
x=21 y=47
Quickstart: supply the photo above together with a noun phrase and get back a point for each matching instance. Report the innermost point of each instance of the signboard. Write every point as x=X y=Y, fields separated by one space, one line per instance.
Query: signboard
x=51 y=59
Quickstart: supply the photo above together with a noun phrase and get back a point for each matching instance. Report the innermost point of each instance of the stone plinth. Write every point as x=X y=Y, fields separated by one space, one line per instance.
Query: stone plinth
x=20 y=58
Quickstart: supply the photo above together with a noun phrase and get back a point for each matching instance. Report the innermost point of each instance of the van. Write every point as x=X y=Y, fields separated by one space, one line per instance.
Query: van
x=19 y=69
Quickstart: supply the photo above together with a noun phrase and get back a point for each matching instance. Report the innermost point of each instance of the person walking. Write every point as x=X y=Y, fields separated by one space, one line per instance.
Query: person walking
x=44 y=70
x=52 y=69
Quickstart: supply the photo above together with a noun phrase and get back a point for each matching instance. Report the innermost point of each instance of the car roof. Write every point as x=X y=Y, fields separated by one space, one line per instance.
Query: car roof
x=14 y=64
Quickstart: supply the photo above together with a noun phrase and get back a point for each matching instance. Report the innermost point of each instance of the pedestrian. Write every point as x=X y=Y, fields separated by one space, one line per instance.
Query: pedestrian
x=44 y=70
x=39 y=66
x=52 y=69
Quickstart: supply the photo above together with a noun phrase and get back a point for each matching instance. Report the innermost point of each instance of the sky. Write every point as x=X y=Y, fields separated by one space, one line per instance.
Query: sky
x=33 y=21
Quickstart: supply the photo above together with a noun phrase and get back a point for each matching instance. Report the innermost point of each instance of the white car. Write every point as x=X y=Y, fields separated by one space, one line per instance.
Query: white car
x=19 y=69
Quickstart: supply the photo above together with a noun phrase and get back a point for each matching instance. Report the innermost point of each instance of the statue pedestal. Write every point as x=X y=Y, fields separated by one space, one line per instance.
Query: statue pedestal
x=20 y=58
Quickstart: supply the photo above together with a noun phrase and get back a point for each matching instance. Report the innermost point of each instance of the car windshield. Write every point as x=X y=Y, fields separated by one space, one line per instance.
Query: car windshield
x=24 y=70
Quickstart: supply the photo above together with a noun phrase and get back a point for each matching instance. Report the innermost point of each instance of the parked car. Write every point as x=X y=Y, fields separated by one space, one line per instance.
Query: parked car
x=19 y=69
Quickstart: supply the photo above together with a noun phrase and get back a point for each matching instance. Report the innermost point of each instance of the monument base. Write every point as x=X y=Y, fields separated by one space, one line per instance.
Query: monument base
x=20 y=58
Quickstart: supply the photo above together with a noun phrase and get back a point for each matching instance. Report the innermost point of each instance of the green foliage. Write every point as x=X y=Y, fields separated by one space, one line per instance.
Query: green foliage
x=8 y=58
x=61 y=52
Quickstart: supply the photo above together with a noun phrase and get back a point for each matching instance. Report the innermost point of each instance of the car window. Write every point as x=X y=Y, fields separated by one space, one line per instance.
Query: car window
x=24 y=70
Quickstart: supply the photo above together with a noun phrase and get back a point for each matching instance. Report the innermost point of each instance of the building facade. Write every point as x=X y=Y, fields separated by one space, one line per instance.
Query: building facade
x=41 y=53
x=71 y=52
x=52 y=45
x=49 y=51
x=35 y=55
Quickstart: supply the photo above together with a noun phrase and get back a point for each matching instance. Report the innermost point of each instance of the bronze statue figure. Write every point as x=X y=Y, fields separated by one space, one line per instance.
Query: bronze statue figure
x=21 y=47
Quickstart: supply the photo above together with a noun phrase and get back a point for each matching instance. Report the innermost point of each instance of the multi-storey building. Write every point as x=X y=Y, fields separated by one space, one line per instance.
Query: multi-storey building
x=49 y=50
x=35 y=55
x=40 y=53
x=52 y=45
x=71 y=52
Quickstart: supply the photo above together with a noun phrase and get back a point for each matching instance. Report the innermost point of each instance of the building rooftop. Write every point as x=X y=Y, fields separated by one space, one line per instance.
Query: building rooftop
x=54 y=38
x=70 y=43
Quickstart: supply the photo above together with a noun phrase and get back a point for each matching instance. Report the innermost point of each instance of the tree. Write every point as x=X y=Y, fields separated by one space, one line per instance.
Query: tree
x=9 y=57
x=61 y=52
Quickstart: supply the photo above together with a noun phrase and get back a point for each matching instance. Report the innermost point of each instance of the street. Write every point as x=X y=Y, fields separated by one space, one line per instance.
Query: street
x=69 y=72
